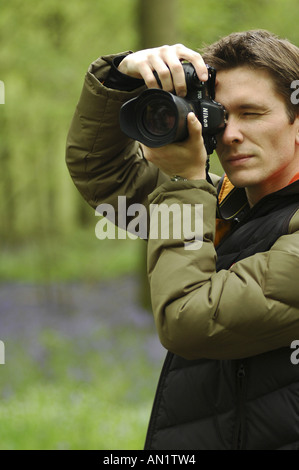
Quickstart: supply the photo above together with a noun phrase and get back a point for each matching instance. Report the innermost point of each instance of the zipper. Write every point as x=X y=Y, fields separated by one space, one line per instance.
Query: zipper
x=241 y=391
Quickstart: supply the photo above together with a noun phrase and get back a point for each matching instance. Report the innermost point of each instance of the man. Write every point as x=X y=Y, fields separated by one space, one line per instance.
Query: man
x=228 y=312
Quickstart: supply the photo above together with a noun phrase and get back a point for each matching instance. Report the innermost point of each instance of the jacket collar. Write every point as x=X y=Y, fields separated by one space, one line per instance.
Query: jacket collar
x=233 y=203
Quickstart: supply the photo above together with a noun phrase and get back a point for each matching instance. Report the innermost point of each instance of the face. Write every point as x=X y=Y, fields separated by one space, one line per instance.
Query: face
x=259 y=149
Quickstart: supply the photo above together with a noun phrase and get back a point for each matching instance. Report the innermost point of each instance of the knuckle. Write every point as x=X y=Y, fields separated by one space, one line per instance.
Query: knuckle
x=164 y=48
x=164 y=73
x=151 y=82
x=177 y=67
x=180 y=89
x=179 y=46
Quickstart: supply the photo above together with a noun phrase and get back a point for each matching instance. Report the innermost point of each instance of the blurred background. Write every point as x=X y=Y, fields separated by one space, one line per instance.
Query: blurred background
x=82 y=359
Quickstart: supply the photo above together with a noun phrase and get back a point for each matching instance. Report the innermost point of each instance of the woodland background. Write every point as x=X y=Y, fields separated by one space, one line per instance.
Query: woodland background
x=47 y=231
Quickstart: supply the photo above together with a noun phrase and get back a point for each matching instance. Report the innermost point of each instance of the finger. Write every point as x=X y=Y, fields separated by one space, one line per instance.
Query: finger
x=179 y=80
x=164 y=73
x=193 y=121
x=166 y=61
x=177 y=75
x=184 y=53
x=140 y=65
x=194 y=127
x=146 y=71
x=170 y=70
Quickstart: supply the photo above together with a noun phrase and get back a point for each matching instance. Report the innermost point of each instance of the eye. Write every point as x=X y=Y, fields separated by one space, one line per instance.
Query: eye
x=251 y=115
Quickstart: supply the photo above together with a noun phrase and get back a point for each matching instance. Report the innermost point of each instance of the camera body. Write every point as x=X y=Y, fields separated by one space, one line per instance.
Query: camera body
x=157 y=117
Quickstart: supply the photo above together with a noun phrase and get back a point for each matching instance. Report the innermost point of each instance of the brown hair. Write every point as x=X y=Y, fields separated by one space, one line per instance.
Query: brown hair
x=259 y=49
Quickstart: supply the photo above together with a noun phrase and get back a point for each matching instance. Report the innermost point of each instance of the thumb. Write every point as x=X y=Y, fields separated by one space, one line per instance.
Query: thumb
x=194 y=126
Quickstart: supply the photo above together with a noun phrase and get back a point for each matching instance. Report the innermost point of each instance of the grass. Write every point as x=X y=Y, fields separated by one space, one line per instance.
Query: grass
x=74 y=396
x=93 y=391
x=77 y=256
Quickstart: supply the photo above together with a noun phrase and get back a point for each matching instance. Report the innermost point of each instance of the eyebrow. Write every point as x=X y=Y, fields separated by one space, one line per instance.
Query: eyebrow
x=246 y=105
x=257 y=106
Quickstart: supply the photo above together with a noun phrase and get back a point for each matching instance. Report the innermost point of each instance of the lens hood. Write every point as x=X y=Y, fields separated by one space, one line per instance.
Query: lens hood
x=155 y=118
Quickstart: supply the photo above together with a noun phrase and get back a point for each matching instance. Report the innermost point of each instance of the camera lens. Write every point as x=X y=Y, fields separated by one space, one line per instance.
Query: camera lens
x=158 y=118
x=155 y=118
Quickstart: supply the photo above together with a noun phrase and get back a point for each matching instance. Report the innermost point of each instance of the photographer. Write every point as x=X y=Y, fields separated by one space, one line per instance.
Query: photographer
x=228 y=312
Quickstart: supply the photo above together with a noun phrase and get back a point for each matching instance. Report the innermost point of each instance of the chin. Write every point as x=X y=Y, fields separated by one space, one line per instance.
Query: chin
x=243 y=179
x=238 y=182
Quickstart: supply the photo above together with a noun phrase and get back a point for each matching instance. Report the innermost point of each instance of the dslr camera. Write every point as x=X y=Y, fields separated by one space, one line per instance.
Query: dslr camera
x=157 y=117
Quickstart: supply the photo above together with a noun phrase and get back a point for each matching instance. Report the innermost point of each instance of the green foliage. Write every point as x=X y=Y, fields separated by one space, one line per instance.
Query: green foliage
x=43 y=62
x=46 y=48
x=205 y=22
x=79 y=256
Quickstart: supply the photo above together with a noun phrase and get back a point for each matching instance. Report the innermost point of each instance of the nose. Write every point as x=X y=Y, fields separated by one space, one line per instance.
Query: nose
x=232 y=133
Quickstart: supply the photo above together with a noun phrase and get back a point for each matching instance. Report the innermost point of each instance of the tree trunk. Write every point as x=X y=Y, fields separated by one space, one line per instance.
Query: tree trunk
x=158 y=22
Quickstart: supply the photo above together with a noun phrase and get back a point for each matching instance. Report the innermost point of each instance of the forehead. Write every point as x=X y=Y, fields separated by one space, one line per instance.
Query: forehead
x=236 y=86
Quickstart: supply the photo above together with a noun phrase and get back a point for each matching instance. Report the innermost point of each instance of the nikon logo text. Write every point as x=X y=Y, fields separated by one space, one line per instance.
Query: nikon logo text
x=166 y=222
x=205 y=115
x=2 y=353
x=2 y=92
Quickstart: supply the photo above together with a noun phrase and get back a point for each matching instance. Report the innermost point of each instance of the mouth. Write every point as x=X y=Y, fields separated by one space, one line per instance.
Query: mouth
x=238 y=159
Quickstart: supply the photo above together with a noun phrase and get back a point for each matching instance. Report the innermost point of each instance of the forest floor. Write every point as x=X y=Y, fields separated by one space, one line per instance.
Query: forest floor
x=75 y=309
x=84 y=353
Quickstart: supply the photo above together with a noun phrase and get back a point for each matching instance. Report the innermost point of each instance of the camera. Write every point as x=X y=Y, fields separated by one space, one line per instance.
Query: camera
x=157 y=117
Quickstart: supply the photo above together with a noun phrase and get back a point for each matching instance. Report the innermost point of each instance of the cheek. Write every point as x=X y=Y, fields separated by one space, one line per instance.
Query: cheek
x=220 y=147
x=269 y=139
x=279 y=143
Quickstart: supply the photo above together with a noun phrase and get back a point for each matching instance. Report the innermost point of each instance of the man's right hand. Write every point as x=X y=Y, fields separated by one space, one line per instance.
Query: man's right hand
x=166 y=61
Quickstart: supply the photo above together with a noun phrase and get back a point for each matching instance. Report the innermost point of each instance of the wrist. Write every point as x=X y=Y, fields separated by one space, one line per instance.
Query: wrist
x=120 y=81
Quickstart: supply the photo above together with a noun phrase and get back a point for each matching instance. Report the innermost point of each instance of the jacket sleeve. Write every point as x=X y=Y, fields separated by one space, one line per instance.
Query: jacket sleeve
x=102 y=161
x=251 y=308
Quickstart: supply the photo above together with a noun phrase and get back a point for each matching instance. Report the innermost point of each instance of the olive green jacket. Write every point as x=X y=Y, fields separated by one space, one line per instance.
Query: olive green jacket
x=196 y=309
